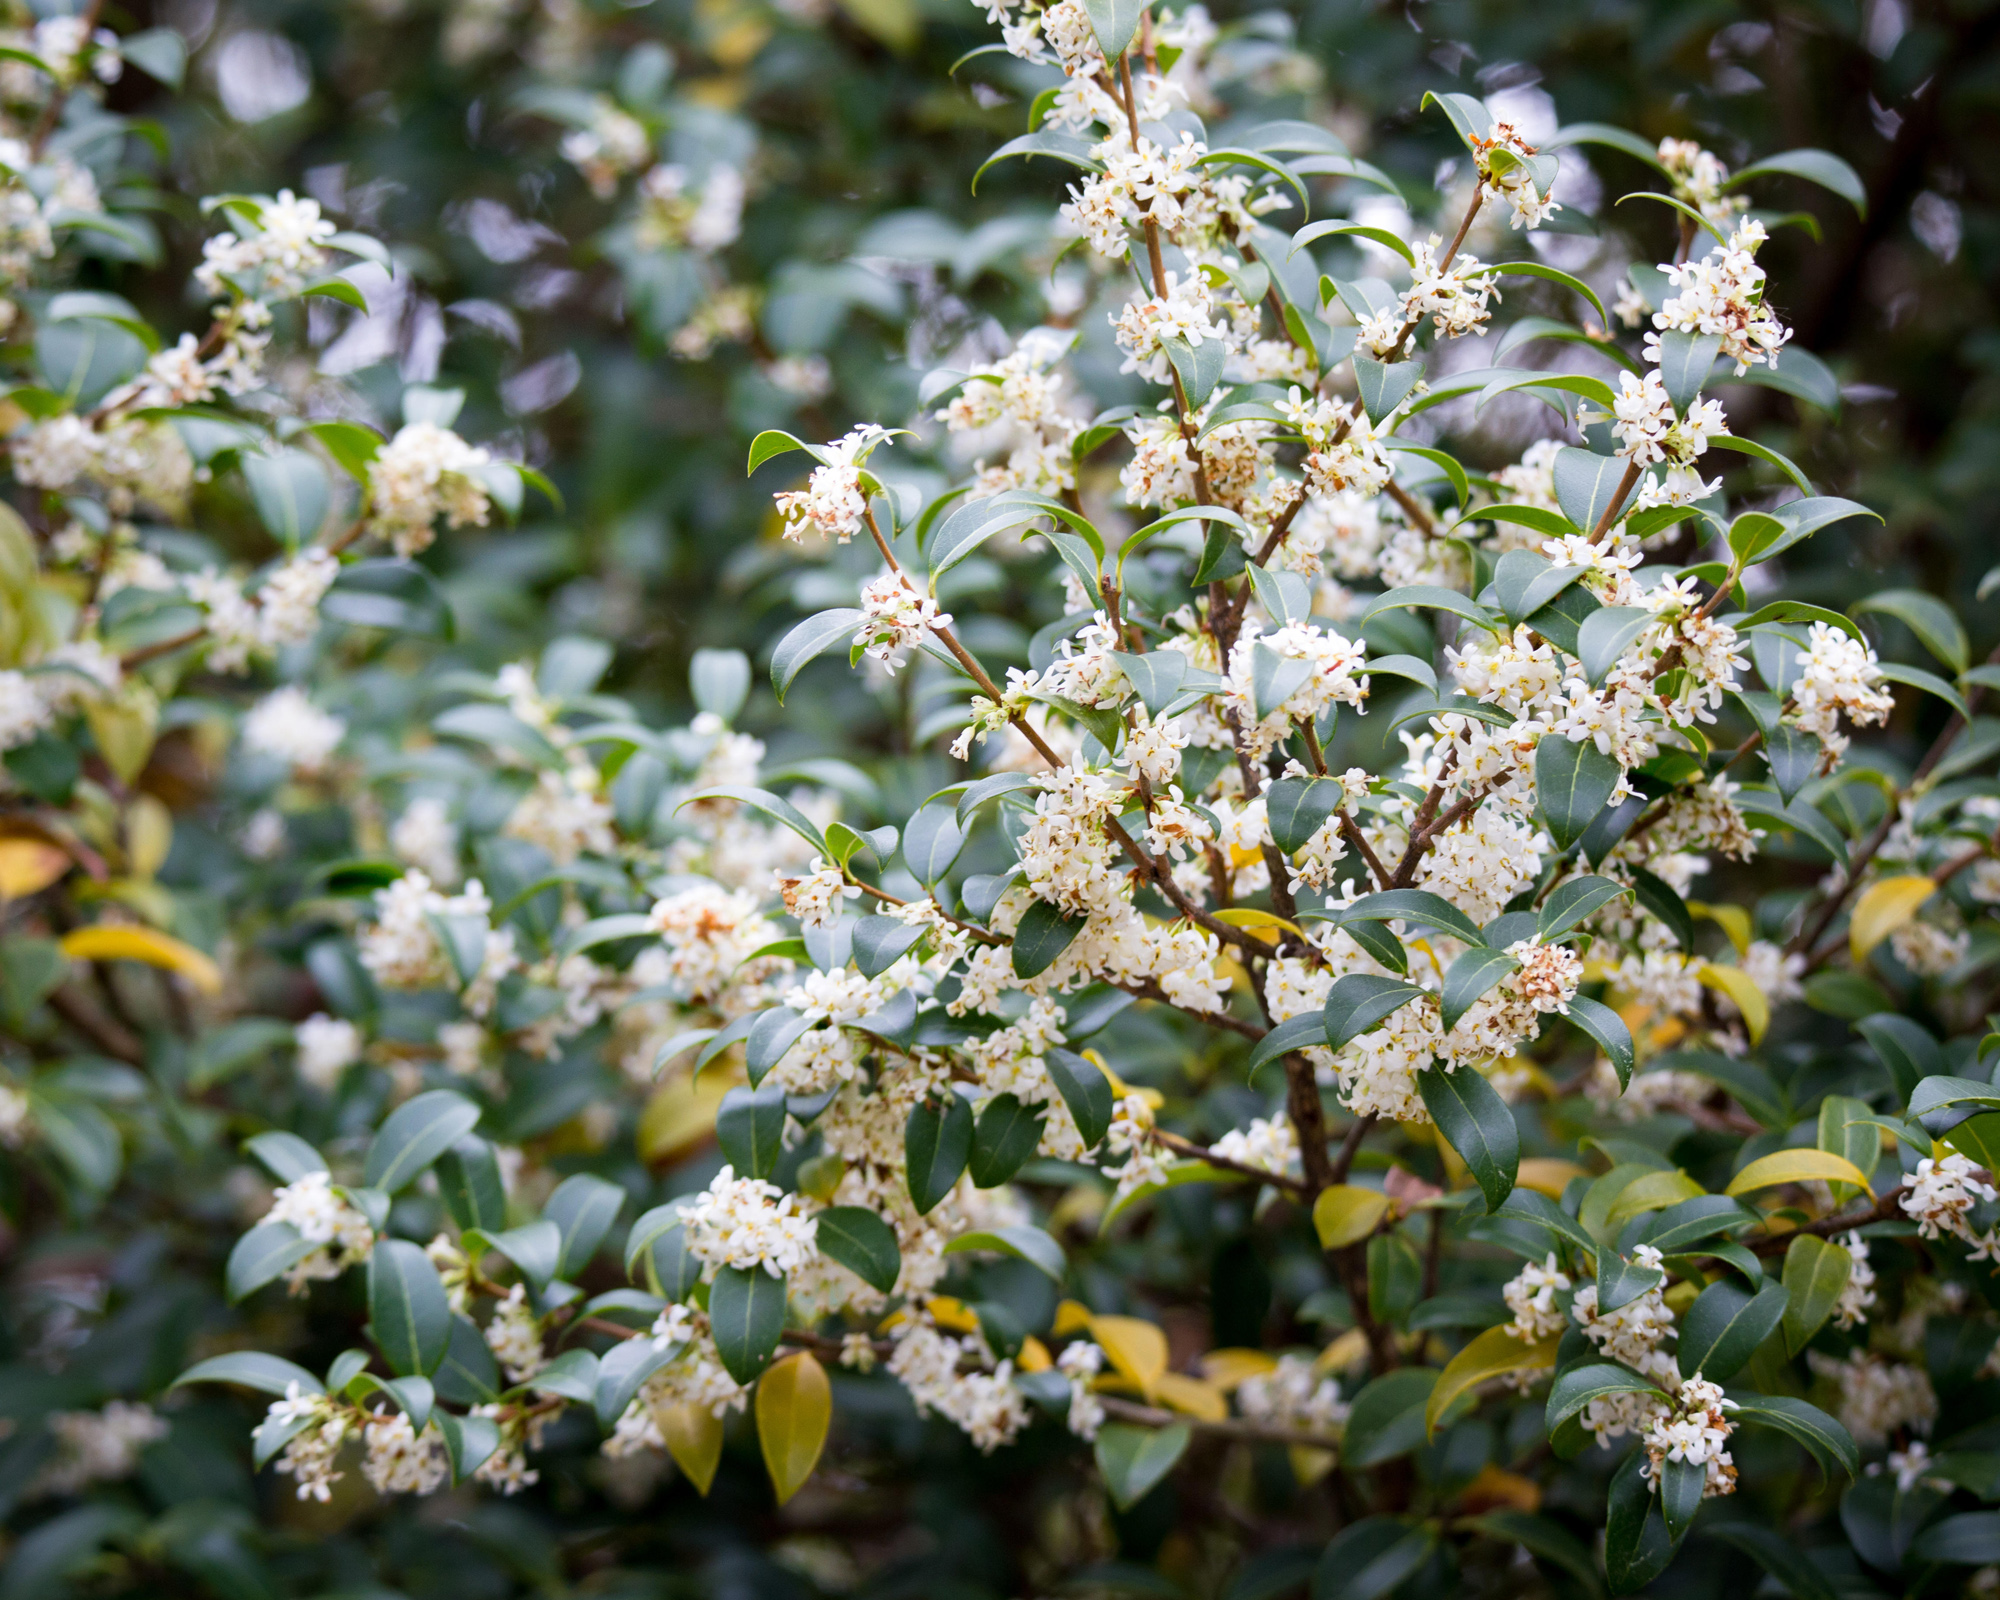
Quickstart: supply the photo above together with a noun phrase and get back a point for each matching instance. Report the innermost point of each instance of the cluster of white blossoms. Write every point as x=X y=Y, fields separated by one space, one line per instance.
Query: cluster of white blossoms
x=833 y=503
x=399 y=1460
x=1877 y=1399
x=1017 y=405
x=1295 y=1393
x=1268 y=1143
x=1649 y=432
x=424 y=472
x=675 y=211
x=1722 y=294
x=1184 y=312
x=1635 y=1335
x=1080 y=1361
x=97 y=1446
x=1500 y=154
x=986 y=1405
x=1858 y=1293
x=1531 y=1295
x=1940 y=1196
x=514 y=1335
x=1694 y=1429
x=70 y=678
x=281 y=246
x=327 y=1047
x=325 y=1219
x=287 y=725
x=401 y=949
x=747 y=1223
x=612 y=144
x=309 y=1456
x=1838 y=674
x=129 y=461
x=1698 y=178
x=894 y=618
x=284 y=611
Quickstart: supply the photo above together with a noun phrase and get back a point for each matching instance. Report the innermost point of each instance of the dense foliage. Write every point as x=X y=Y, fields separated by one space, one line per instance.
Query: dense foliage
x=1369 y=977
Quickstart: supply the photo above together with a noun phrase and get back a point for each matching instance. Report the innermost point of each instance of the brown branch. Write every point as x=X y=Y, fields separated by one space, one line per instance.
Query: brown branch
x=1886 y=1206
x=1187 y=1147
x=113 y=1038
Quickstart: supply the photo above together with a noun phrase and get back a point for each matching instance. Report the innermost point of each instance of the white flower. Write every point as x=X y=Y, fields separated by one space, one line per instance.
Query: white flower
x=286 y=724
x=1941 y=1193
x=894 y=617
x=833 y=502
x=424 y=838
x=1858 y=1293
x=1695 y=1429
x=288 y=603
x=327 y=1047
x=322 y=1217
x=816 y=898
x=1877 y=1399
x=424 y=472
x=1293 y=1395
x=1531 y=1296
x=746 y=1222
x=514 y=1335
x=97 y=1446
x=401 y=1461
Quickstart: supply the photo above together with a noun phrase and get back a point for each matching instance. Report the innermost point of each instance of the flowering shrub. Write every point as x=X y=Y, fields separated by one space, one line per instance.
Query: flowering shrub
x=1482 y=857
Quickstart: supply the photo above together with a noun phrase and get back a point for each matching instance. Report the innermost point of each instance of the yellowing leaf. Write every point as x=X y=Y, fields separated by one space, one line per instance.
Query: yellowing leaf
x=1137 y=1348
x=1743 y=992
x=1349 y=1348
x=680 y=1115
x=1546 y=1175
x=1309 y=1465
x=1072 y=1317
x=1347 y=1213
x=1228 y=1367
x=694 y=1440
x=1034 y=1356
x=1733 y=920
x=28 y=866
x=125 y=729
x=1494 y=1352
x=1796 y=1166
x=1496 y=1487
x=794 y=1412
x=1263 y=925
x=1655 y=1191
x=149 y=835
x=1194 y=1396
x=1884 y=907
x=951 y=1314
x=108 y=942
x=1119 y=1086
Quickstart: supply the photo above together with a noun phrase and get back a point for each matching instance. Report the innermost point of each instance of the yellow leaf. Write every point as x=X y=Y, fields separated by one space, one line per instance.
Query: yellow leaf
x=1494 y=1352
x=1137 y=1348
x=895 y=22
x=1228 y=1367
x=1495 y=1487
x=1194 y=1396
x=1119 y=1086
x=124 y=729
x=1072 y=1317
x=1653 y=1192
x=794 y=1412
x=1034 y=1356
x=1263 y=925
x=679 y=1116
x=1546 y=1175
x=1309 y=1465
x=1796 y=1166
x=952 y=1314
x=107 y=942
x=1884 y=907
x=149 y=835
x=1349 y=1348
x=28 y=866
x=1733 y=920
x=694 y=1440
x=1347 y=1213
x=1743 y=992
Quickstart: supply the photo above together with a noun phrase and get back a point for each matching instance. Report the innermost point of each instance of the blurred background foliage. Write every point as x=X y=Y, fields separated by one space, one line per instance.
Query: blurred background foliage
x=432 y=126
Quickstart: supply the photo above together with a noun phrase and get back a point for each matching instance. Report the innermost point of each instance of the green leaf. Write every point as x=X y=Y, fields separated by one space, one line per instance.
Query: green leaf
x=1294 y=1033
x=291 y=492
x=1905 y=1047
x=534 y=1247
x=778 y=810
x=1605 y=635
x=1690 y=1222
x=1637 y=1548
x=399 y=596
x=583 y=1207
x=1574 y=902
x=1724 y=1326
x=863 y=1243
x=1929 y=682
x=469 y=1441
x=264 y=1253
x=1620 y=1282
x=1384 y=385
x=1418 y=909
x=1605 y=1026
x=496 y=729
x=416 y=1133
x=1574 y=1389
x=1605 y=134
x=1027 y=1244
x=621 y=1372
x=1297 y=808
x=1429 y=597
x=937 y=1141
x=1386 y=1419
x=1469 y=977
x=746 y=1314
x=1313 y=233
x=1791 y=757
x=1274 y=679
x=408 y=1314
x=82 y=359
x=1804 y=518
x=1682 y=1484
x=1544 y=1537
x=1816 y=1271
x=1934 y=623
x=1585 y=484
x=1358 y=1003
x=1778 y=1556
x=1573 y=782
x=469 y=1183
x=1829 y=1443
x=254 y=1370
x=1563 y=617
x=1369 y=1558
x=932 y=840
x=1476 y=1122
x=750 y=1127
x=1537 y=269
x=285 y=1156
x=1043 y=934
x=808 y=640
x=1816 y=166
x=1155 y=677
x=1685 y=361
x=1006 y=1134
x=1750 y=447
x=1134 y=1459
x=160 y=53
x=1085 y=1090
x=572 y=1375
x=1525 y=580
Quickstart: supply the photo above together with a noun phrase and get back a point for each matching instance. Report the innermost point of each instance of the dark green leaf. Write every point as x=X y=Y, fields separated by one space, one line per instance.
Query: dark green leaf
x=746 y=1314
x=937 y=1141
x=1476 y=1122
x=861 y=1242
x=408 y=1313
